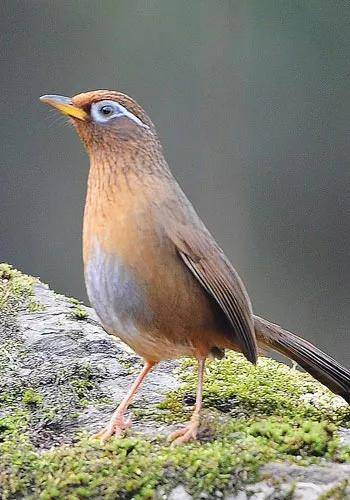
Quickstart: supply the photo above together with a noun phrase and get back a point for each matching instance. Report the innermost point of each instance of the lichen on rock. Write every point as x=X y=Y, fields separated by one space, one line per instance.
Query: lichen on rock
x=61 y=376
x=16 y=288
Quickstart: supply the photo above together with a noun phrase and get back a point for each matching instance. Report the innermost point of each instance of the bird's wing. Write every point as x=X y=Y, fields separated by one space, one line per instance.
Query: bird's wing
x=207 y=262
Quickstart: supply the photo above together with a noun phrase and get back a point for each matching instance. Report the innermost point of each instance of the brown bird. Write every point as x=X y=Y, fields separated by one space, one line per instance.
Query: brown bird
x=154 y=274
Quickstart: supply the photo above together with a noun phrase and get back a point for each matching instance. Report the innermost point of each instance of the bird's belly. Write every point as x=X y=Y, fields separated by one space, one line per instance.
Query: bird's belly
x=161 y=312
x=116 y=295
x=122 y=302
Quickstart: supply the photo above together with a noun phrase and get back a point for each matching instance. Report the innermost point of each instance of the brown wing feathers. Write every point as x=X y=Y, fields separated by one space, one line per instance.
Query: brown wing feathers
x=208 y=264
x=225 y=291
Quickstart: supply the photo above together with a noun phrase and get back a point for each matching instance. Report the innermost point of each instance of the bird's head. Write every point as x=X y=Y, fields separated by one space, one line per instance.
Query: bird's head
x=106 y=119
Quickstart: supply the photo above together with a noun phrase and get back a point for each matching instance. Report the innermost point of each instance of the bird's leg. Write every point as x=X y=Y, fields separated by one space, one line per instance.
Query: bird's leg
x=118 y=423
x=189 y=432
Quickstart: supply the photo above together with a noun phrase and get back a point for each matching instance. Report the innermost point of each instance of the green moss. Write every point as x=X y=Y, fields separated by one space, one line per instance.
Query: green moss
x=337 y=493
x=304 y=438
x=252 y=415
x=74 y=301
x=15 y=289
x=11 y=426
x=132 y=467
x=256 y=415
x=238 y=388
x=79 y=380
x=79 y=312
x=32 y=398
x=12 y=352
x=130 y=367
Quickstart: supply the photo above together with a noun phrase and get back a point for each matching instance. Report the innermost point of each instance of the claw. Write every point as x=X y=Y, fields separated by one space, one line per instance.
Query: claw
x=115 y=428
x=186 y=434
x=118 y=422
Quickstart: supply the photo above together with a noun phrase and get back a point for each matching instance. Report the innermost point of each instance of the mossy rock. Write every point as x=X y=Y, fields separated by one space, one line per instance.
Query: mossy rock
x=61 y=376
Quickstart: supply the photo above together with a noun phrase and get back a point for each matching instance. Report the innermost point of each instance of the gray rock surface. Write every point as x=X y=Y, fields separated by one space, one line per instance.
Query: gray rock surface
x=83 y=373
x=284 y=481
x=303 y=483
x=179 y=493
x=80 y=370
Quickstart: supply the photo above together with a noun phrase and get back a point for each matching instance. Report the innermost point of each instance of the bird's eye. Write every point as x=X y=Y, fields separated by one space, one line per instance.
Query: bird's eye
x=106 y=110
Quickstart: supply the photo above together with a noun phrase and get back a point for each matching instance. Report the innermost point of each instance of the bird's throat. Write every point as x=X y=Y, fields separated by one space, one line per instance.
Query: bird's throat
x=119 y=195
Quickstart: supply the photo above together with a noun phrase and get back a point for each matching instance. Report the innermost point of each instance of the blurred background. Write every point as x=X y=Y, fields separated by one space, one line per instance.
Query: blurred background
x=251 y=101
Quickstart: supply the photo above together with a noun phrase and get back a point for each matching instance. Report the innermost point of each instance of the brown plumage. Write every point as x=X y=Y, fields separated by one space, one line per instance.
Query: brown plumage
x=154 y=274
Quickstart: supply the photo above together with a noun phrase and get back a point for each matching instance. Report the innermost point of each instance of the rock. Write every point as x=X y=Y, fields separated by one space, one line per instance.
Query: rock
x=61 y=377
x=179 y=493
x=241 y=495
x=309 y=483
x=67 y=359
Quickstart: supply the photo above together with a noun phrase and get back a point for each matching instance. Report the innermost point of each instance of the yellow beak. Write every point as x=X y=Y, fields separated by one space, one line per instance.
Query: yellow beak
x=65 y=105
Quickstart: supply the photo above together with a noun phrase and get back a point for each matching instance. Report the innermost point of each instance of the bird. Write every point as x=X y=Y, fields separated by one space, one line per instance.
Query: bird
x=154 y=274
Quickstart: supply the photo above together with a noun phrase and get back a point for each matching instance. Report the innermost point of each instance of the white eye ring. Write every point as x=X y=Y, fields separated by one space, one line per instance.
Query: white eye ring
x=116 y=111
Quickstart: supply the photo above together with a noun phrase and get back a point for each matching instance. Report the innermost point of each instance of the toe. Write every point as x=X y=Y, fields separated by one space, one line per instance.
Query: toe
x=184 y=438
x=99 y=434
x=115 y=430
x=103 y=435
x=183 y=435
x=174 y=435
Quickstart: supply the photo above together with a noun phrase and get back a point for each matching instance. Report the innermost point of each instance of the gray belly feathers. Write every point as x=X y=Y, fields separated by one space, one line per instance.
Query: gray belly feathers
x=115 y=294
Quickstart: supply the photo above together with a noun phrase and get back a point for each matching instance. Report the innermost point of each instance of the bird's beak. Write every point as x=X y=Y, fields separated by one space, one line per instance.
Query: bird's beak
x=65 y=105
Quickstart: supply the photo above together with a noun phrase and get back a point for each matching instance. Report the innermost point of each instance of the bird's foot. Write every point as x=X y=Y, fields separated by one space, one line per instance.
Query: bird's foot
x=116 y=427
x=185 y=434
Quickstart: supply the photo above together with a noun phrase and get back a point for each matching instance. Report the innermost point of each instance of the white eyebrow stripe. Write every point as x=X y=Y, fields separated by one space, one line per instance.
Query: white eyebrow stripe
x=119 y=111
x=130 y=115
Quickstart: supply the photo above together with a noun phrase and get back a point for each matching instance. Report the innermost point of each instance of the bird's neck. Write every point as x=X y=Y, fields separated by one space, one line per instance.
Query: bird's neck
x=133 y=172
x=120 y=189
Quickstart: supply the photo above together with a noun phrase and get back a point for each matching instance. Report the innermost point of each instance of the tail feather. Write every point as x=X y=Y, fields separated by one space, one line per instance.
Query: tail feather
x=321 y=366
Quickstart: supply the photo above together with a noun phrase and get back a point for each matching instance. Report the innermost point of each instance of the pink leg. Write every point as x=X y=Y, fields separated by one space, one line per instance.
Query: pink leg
x=118 y=423
x=189 y=432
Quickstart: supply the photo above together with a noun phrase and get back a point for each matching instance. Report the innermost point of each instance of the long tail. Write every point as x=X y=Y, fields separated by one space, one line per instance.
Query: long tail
x=321 y=366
